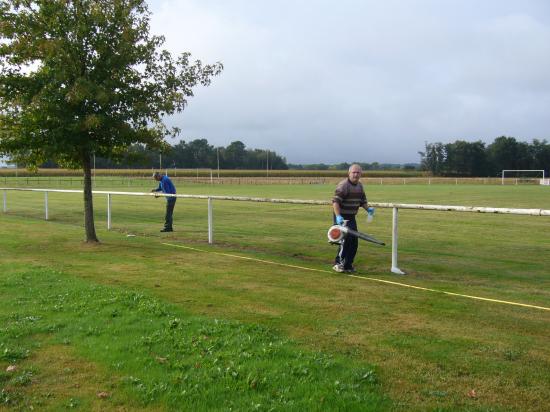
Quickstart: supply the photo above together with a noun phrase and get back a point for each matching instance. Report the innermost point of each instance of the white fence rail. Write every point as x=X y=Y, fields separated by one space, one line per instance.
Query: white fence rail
x=394 y=206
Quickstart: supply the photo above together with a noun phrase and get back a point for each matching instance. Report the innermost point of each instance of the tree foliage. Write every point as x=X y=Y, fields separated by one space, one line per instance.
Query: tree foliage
x=433 y=158
x=86 y=77
x=462 y=158
x=196 y=153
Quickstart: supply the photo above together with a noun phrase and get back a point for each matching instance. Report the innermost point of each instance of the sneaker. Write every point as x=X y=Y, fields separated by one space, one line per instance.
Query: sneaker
x=338 y=268
x=350 y=270
x=167 y=230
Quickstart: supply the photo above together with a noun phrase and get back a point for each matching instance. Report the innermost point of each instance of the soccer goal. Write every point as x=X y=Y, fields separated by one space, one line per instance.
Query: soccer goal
x=524 y=176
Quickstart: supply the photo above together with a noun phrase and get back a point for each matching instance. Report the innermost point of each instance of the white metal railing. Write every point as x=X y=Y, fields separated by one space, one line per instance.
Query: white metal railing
x=394 y=206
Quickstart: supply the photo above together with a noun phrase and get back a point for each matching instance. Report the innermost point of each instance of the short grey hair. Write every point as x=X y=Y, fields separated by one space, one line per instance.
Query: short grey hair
x=353 y=165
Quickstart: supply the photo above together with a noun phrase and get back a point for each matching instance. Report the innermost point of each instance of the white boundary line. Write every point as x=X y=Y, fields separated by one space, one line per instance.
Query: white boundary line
x=362 y=277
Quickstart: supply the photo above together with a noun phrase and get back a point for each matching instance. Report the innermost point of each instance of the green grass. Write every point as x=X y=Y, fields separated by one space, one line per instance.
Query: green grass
x=157 y=354
x=428 y=350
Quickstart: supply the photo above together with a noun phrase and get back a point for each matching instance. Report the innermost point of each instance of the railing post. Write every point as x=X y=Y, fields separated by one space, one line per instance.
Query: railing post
x=394 y=267
x=5 y=201
x=210 y=226
x=108 y=211
x=46 y=205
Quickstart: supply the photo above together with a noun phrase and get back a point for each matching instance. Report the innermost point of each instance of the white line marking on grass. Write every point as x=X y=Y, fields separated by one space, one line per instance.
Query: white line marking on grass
x=269 y=262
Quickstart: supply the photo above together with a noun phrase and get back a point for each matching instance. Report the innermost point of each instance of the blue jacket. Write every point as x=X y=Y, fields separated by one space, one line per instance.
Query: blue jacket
x=166 y=186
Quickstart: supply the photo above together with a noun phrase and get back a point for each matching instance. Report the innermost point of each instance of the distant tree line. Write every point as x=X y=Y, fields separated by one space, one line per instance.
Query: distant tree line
x=364 y=166
x=462 y=158
x=197 y=153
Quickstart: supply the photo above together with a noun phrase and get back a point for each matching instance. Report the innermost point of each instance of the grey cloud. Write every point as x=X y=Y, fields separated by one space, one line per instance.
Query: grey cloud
x=312 y=79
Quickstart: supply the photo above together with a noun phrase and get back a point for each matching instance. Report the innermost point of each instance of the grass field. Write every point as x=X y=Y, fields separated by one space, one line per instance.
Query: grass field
x=150 y=326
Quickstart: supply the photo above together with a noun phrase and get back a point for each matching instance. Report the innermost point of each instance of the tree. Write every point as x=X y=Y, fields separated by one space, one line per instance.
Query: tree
x=503 y=154
x=433 y=158
x=477 y=159
x=182 y=156
x=277 y=162
x=465 y=158
x=85 y=77
x=540 y=152
x=235 y=155
x=202 y=154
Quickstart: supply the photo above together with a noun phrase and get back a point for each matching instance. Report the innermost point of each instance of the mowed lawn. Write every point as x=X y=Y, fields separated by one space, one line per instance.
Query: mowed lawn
x=386 y=346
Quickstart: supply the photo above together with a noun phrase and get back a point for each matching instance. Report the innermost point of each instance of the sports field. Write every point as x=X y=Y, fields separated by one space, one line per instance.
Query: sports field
x=166 y=321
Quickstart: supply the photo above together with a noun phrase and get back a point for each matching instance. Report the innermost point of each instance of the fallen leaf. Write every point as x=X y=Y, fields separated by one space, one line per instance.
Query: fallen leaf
x=472 y=394
x=102 y=395
x=11 y=368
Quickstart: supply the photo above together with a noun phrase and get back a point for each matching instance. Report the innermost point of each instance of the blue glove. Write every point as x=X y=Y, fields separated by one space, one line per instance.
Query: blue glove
x=339 y=220
x=370 y=214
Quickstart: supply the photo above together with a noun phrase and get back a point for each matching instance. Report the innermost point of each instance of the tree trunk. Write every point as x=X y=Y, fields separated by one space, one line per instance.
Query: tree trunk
x=88 y=201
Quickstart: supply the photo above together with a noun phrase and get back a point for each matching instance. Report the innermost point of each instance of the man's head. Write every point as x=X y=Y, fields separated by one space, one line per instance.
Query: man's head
x=354 y=173
x=157 y=176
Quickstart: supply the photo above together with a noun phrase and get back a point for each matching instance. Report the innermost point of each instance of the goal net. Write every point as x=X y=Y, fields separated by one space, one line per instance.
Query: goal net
x=524 y=176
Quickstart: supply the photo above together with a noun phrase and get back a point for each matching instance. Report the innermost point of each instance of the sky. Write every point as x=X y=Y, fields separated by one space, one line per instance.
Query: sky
x=323 y=81
x=362 y=80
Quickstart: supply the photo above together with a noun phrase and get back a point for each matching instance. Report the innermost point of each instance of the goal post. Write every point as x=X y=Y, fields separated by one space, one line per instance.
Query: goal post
x=542 y=172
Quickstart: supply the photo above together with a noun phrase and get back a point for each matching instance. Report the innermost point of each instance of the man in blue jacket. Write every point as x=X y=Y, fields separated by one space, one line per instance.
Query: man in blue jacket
x=166 y=186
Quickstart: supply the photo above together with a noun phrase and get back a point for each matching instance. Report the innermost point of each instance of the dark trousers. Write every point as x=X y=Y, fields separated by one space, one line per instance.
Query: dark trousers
x=168 y=219
x=348 y=247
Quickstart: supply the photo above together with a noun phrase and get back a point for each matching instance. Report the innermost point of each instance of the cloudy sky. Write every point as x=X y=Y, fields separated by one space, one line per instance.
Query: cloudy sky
x=362 y=80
